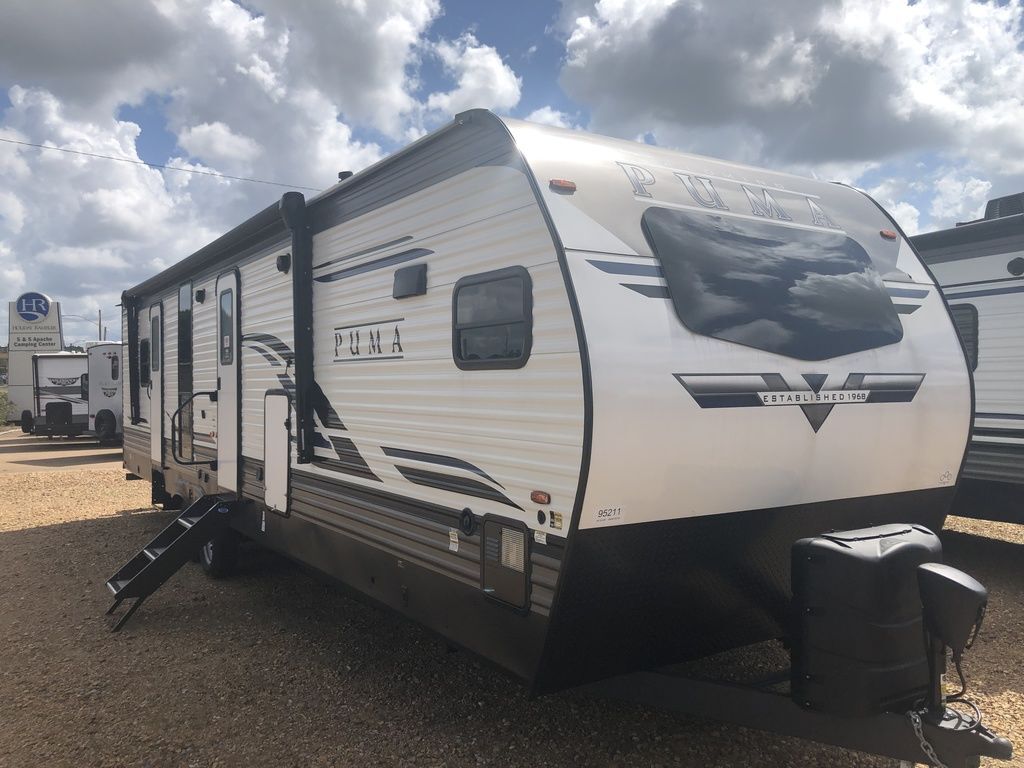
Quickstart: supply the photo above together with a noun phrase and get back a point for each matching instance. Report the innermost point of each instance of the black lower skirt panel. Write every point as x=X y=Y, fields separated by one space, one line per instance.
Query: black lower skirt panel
x=647 y=595
x=329 y=530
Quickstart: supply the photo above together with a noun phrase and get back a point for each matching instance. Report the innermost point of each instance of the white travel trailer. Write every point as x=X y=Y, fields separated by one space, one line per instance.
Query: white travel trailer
x=570 y=402
x=980 y=266
x=103 y=385
x=60 y=401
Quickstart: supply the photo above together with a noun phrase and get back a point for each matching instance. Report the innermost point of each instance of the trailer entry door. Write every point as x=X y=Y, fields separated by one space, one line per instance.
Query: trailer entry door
x=156 y=385
x=229 y=385
x=277 y=450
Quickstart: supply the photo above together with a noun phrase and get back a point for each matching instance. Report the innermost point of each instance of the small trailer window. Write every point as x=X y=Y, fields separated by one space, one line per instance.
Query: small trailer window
x=115 y=367
x=144 y=362
x=154 y=344
x=492 y=319
x=807 y=294
x=966 y=318
x=227 y=325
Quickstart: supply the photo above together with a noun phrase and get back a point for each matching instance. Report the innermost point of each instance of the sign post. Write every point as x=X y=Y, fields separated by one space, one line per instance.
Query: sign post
x=34 y=327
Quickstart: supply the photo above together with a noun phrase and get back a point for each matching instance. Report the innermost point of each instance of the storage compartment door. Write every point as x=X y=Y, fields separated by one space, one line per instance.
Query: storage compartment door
x=277 y=449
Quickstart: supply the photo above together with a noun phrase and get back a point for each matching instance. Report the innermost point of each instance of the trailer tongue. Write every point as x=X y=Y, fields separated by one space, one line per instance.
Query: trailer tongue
x=873 y=619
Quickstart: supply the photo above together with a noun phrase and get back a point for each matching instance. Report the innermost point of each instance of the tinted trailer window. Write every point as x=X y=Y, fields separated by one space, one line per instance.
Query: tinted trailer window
x=797 y=292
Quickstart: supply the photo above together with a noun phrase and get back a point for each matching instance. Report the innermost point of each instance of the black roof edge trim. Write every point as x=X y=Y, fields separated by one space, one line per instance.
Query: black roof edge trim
x=972 y=232
x=250 y=231
x=282 y=213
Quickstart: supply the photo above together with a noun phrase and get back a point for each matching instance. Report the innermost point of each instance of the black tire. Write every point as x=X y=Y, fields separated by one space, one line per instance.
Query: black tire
x=106 y=426
x=219 y=557
x=26 y=422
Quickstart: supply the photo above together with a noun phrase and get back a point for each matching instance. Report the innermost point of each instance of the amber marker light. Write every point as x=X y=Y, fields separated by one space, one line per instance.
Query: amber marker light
x=540 y=497
x=888 y=234
x=562 y=185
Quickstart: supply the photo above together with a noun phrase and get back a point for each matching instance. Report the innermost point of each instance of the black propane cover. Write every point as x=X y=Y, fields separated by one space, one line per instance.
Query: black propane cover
x=858 y=644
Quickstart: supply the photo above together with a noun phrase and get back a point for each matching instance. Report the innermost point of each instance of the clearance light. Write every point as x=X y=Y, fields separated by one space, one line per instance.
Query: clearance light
x=540 y=497
x=888 y=234
x=562 y=185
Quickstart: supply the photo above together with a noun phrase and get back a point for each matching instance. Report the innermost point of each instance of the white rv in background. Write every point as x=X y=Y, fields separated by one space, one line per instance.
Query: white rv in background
x=980 y=266
x=103 y=385
x=59 y=398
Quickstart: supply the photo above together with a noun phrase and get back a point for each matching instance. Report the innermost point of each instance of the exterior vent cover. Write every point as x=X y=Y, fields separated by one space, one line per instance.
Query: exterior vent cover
x=504 y=573
x=1011 y=205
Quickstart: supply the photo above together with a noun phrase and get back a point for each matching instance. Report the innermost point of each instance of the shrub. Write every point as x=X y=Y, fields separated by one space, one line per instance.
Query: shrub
x=5 y=407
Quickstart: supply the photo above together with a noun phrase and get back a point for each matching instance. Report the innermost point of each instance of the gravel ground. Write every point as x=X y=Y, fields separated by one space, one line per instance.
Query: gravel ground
x=274 y=669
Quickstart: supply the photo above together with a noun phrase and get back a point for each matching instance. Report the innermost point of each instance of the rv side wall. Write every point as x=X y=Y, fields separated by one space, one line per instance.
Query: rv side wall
x=106 y=366
x=990 y=304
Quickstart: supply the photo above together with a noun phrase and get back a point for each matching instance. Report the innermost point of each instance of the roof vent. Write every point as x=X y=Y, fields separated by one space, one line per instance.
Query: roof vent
x=1011 y=205
x=342 y=175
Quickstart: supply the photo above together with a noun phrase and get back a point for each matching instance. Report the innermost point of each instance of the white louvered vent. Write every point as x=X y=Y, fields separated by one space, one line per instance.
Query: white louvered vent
x=513 y=549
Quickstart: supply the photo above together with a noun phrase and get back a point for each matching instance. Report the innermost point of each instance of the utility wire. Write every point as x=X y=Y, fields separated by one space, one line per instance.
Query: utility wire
x=156 y=165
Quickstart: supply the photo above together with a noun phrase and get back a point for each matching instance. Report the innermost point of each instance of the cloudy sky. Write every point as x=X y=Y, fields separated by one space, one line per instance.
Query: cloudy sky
x=920 y=103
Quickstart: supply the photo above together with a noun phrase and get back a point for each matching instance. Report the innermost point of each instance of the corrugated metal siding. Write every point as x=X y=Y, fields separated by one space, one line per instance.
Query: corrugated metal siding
x=418 y=539
x=995 y=461
x=136 y=449
x=999 y=377
x=522 y=427
x=978 y=265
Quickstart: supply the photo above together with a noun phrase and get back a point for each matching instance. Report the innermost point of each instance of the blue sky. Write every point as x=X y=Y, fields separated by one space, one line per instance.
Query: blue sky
x=917 y=102
x=522 y=32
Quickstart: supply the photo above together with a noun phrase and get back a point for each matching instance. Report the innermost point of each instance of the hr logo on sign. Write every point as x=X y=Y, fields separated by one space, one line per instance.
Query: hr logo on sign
x=32 y=307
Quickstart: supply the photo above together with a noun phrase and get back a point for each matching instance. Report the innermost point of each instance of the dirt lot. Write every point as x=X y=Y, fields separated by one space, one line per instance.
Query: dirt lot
x=24 y=453
x=273 y=669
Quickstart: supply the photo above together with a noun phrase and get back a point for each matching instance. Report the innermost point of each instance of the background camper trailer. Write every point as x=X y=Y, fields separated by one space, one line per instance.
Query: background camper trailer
x=103 y=386
x=60 y=402
x=980 y=266
x=573 y=403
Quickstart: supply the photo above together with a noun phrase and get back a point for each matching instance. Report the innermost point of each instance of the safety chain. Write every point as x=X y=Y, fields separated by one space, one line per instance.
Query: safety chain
x=926 y=747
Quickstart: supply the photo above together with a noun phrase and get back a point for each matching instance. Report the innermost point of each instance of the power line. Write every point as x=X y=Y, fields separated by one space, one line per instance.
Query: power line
x=155 y=165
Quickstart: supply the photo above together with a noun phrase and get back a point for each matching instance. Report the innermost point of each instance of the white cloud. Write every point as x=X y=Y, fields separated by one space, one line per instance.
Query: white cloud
x=217 y=142
x=267 y=89
x=90 y=227
x=814 y=87
x=12 y=213
x=482 y=78
x=958 y=198
x=90 y=258
x=906 y=215
x=548 y=115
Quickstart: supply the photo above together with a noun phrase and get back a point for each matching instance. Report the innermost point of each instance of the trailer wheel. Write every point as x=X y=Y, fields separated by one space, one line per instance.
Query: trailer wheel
x=106 y=426
x=26 y=422
x=219 y=556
